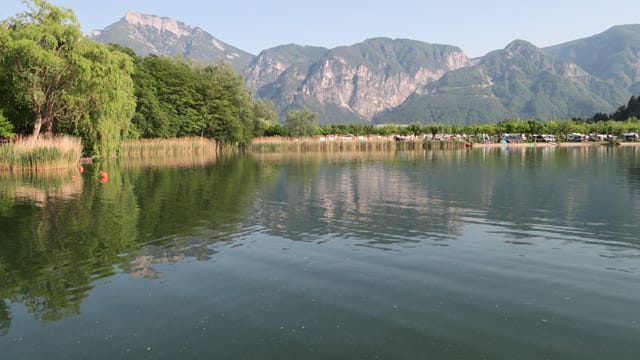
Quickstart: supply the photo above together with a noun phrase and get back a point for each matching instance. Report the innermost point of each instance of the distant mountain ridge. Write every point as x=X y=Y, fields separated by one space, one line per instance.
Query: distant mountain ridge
x=404 y=81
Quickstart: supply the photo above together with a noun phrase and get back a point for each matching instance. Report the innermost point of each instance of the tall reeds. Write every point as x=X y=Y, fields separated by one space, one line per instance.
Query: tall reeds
x=30 y=154
x=168 y=148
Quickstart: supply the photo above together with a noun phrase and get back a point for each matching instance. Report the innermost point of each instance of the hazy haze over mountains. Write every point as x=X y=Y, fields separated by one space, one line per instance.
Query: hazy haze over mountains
x=404 y=81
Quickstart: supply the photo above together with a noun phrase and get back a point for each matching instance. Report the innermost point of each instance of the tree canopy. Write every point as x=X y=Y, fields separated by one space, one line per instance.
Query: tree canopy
x=38 y=63
x=302 y=122
x=55 y=81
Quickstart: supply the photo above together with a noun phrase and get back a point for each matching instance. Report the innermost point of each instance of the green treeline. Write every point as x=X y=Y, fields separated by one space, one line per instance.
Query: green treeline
x=177 y=99
x=55 y=81
x=624 y=112
x=560 y=128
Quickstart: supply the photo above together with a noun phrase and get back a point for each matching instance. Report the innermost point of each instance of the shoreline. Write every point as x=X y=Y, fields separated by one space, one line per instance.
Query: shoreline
x=561 y=144
x=359 y=140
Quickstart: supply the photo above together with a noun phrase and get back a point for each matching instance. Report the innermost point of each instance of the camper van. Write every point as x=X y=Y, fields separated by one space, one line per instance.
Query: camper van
x=577 y=137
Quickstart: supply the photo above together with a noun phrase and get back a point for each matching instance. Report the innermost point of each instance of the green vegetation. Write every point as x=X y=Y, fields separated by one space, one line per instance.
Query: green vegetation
x=176 y=99
x=53 y=81
x=302 y=123
x=6 y=128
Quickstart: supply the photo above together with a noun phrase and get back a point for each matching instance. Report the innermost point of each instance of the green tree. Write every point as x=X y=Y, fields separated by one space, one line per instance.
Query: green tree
x=265 y=115
x=302 y=122
x=6 y=128
x=632 y=109
x=229 y=115
x=416 y=129
x=533 y=127
x=38 y=61
x=102 y=116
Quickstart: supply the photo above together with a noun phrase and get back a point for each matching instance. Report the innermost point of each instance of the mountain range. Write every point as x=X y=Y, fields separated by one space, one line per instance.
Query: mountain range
x=384 y=80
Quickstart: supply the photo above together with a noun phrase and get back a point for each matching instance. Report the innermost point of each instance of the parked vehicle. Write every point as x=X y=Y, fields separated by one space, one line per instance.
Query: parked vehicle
x=543 y=138
x=630 y=137
x=599 y=137
x=577 y=137
x=513 y=138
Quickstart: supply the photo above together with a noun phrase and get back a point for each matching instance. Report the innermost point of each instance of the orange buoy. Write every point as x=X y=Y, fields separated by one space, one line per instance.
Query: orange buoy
x=81 y=169
x=103 y=176
x=73 y=178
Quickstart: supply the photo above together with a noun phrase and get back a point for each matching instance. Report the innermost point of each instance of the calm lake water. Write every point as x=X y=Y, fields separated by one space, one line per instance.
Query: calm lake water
x=488 y=253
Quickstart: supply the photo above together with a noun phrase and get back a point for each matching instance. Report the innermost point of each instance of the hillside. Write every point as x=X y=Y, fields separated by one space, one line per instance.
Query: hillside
x=520 y=81
x=613 y=55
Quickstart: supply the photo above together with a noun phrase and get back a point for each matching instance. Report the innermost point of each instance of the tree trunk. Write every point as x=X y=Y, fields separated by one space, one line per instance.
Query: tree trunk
x=48 y=127
x=36 y=127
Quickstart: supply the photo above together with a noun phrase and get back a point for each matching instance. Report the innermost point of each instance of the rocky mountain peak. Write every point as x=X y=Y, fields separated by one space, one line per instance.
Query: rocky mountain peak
x=161 y=24
x=151 y=34
x=522 y=48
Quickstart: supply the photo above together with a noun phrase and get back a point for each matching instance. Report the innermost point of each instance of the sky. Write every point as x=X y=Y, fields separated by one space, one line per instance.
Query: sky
x=476 y=26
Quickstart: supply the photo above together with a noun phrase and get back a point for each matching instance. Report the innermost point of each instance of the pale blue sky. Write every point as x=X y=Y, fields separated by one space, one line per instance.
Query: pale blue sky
x=475 y=26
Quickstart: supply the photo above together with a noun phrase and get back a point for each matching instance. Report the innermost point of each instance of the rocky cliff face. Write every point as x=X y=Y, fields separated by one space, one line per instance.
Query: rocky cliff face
x=362 y=79
x=272 y=63
x=368 y=89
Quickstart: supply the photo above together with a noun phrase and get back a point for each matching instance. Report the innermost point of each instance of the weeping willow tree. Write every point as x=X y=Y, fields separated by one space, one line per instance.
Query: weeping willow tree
x=38 y=63
x=102 y=116
x=71 y=84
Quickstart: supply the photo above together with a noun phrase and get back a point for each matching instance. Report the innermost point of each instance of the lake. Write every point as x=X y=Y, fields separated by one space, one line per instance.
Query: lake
x=514 y=253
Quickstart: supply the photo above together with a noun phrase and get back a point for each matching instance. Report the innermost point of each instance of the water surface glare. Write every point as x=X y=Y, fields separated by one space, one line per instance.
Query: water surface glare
x=485 y=253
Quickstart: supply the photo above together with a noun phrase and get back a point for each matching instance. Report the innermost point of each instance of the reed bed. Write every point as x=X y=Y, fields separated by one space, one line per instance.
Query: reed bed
x=31 y=154
x=346 y=144
x=168 y=148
